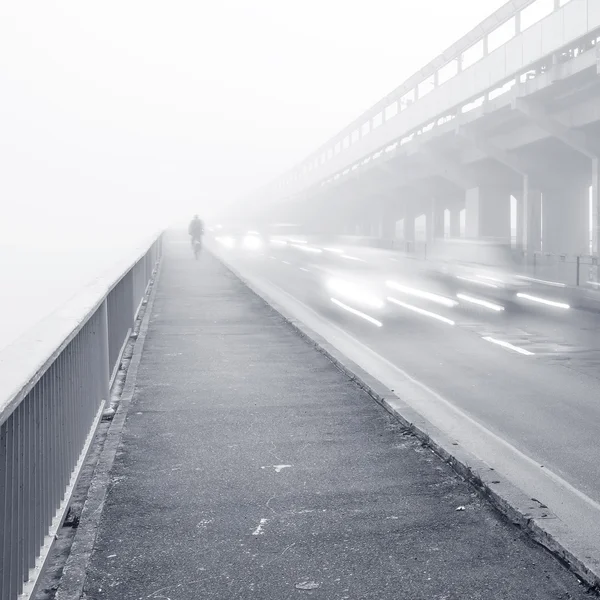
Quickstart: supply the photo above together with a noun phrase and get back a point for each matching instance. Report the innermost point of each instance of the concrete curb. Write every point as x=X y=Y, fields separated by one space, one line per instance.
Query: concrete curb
x=529 y=514
x=74 y=575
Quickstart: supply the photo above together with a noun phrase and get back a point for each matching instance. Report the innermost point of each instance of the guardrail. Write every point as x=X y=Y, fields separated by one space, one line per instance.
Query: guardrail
x=54 y=385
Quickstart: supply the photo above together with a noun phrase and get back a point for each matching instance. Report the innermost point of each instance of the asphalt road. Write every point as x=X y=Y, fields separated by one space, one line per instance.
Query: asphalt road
x=529 y=373
x=250 y=467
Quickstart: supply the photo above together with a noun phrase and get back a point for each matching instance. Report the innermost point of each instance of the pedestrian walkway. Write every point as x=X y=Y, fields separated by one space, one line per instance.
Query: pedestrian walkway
x=250 y=467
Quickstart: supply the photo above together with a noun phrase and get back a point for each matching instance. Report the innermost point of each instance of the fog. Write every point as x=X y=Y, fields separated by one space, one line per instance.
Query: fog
x=120 y=115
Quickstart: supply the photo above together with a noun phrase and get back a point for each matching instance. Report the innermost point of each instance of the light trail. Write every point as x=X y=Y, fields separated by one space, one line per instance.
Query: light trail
x=508 y=346
x=479 y=302
x=421 y=311
x=362 y=315
x=477 y=281
x=422 y=294
x=544 y=301
x=353 y=258
x=542 y=281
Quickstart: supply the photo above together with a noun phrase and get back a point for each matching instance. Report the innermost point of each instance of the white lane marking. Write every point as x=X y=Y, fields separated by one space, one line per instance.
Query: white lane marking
x=476 y=281
x=421 y=311
x=480 y=302
x=422 y=294
x=507 y=345
x=335 y=250
x=452 y=407
x=285 y=262
x=544 y=301
x=278 y=468
x=362 y=315
x=259 y=529
x=303 y=269
x=273 y=257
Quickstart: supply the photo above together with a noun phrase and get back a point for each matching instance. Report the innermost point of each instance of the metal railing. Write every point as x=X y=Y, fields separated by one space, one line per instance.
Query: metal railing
x=54 y=384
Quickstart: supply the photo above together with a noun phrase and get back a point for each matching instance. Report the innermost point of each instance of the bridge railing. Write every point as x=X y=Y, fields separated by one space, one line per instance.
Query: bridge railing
x=486 y=63
x=54 y=384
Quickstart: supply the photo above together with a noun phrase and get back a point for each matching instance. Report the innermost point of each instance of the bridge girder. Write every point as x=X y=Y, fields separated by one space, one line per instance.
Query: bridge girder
x=577 y=140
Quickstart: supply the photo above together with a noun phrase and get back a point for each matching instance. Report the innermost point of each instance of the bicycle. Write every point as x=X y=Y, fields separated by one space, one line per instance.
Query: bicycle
x=196 y=247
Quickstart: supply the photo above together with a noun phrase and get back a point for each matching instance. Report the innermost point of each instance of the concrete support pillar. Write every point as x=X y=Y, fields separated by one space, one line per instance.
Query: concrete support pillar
x=435 y=221
x=388 y=227
x=595 y=225
x=455 y=222
x=409 y=226
x=565 y=218
x=529 y=219
x=387 y=218
x=488 y=213
x=534 y=222
x=365 y=227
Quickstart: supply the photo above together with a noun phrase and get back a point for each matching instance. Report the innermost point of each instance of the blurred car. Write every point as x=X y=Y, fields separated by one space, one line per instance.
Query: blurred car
x=239 y=239
x=488 y=267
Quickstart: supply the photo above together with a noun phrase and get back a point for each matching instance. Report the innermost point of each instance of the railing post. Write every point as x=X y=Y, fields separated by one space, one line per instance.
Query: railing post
x=103 y=358
x=578 y=261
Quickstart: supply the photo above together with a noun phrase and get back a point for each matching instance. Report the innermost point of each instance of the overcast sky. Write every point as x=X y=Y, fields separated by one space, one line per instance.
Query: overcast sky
x=125 y=107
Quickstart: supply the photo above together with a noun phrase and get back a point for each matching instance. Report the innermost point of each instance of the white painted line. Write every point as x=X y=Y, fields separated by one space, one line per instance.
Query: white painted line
x=422 y=294
x=508 y=346
x=421 y=311
x=544 y=301
x=334 y=250
x=362 y=315
x=273 y=257
x=285 y=262
x=303 y=269
x=479 y=302
x=476 y=281
x=259 y=529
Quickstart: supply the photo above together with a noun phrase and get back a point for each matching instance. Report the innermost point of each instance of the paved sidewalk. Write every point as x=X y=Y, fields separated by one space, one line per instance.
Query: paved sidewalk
x=250 y=467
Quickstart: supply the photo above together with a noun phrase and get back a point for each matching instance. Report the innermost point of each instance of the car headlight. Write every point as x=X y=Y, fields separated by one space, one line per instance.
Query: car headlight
x=252 y=242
